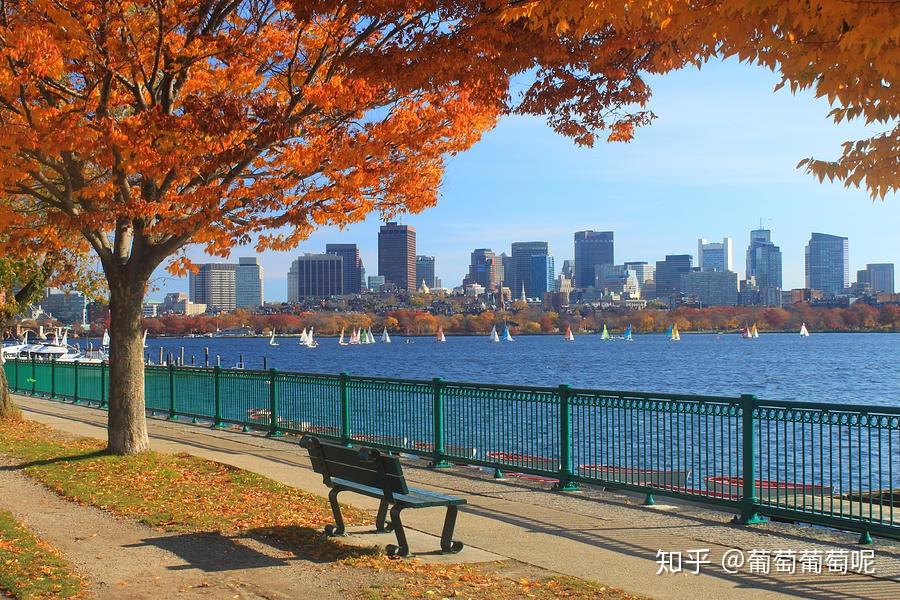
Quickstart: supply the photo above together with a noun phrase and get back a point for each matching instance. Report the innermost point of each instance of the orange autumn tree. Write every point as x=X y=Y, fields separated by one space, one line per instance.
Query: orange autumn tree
x=136 y=127
x=846 y=51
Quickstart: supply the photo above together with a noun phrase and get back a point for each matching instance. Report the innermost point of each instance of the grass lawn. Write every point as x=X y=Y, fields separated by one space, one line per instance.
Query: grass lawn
x=185 y=493
x=31 y=568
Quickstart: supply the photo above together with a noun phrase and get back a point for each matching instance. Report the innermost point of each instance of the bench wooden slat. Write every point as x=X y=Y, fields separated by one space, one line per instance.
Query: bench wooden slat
x=365 y=475
x=416 y=498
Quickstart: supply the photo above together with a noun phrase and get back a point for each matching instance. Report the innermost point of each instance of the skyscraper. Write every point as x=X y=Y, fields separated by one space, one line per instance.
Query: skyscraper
x=828 y=263
x=592 y=248
x=248 y=283
x=397 y=255
x=522 y=253
x=879 y=275
x=669 y=272
x=543 y=272
x=425 y=270
x=316 y=276
x=714 y=256
x=757 y=237
x=214 y=285
x=353 y=269
x=764 y=266
x=485 y=268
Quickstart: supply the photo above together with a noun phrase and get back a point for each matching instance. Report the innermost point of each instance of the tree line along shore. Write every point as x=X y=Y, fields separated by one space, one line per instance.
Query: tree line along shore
x=533 y=320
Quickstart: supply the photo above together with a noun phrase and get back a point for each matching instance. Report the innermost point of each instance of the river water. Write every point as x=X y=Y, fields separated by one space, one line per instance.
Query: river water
x=844 y=368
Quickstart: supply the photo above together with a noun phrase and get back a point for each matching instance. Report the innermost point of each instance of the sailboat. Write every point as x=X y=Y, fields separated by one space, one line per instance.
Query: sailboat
x=370 y=339
x=105 y=342
x=569 y=336
x=674 y=336
x=303 y=337
x=804 y=332
x=440 y=335
x=354 y=337
x=494 y=336
x=341 y=341
x=669 y=331
x=272 y=341
x=506 y=335
x=145 y=337
x=745 y=333
x=310 y=342
x=385 y=338
x=753 y=332
x=604 y=335
x=628 y=336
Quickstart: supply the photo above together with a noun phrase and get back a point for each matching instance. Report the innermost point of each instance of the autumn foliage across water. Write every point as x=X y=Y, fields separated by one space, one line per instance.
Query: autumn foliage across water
x=859 y=317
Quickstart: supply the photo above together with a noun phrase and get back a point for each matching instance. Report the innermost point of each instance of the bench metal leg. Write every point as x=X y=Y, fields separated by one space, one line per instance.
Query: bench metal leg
x=402 y=547
x=447 y=543
x=338 y=527
x=382 y=516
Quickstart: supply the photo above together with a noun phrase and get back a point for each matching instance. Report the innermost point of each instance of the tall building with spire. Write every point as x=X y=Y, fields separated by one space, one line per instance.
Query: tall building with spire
x=764 y=266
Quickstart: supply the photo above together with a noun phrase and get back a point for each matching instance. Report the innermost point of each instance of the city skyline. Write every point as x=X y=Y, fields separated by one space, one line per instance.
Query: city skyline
x=693 y=174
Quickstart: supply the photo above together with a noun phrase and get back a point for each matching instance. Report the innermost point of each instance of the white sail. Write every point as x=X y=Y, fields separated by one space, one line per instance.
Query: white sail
x=440 y=335
x=272 y=341
x=385 y=337
x=105 y=342
x=804 y=332
x=341 y=341
x=303 y=337
x=65 y=338
x=507 y=337
x=145 y=337
x=494 y=336
x=570 y=337
x=370 y=339
x=310 y=340
x=41 y=334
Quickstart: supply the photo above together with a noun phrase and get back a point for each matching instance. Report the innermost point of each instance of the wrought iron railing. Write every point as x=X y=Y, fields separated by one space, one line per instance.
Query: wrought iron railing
x=829 y=464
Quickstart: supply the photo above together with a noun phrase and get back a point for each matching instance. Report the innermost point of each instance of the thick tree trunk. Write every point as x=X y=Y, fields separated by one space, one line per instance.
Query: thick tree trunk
x=127 y=429
x=7 y=408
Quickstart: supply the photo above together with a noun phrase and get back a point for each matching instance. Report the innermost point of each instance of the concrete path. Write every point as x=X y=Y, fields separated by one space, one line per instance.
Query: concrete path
x=604 y=536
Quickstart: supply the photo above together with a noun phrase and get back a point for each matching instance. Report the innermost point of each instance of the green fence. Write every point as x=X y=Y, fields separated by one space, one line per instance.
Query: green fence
x=828 y=464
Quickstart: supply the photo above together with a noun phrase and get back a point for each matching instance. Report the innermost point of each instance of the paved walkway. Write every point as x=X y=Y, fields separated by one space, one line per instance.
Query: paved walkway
x=593 y=534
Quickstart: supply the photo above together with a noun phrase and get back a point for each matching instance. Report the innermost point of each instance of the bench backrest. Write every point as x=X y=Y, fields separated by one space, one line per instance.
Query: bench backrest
x=360 y=464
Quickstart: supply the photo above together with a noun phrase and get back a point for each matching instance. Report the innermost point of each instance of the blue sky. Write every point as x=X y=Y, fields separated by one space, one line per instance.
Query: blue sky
x=720 y=156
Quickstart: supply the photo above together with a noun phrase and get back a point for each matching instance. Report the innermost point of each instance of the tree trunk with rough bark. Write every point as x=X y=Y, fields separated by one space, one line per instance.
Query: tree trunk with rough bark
x=7 y=408
x=127 y=427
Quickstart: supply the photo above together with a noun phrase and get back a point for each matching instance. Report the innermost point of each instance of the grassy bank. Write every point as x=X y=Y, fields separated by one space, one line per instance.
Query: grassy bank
x=185 y=493
x=31 y=568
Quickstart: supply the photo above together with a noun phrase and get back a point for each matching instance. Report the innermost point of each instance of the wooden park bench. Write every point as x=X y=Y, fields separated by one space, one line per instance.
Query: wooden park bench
x=376 y=474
